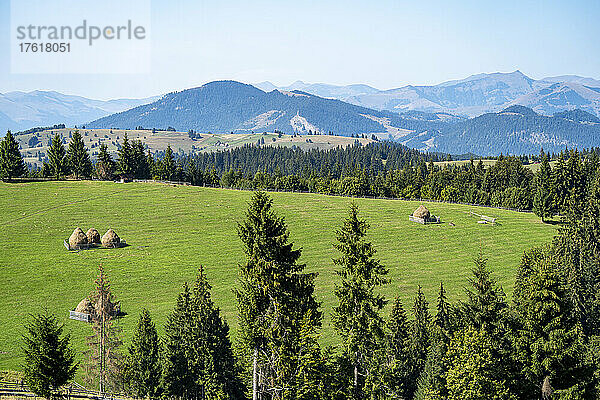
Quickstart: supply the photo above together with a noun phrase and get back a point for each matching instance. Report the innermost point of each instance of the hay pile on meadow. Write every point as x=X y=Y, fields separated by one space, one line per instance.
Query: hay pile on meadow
x=78 y=239
x=111 y=239
x=85 y=306
x=422 y=212
x=93 y=236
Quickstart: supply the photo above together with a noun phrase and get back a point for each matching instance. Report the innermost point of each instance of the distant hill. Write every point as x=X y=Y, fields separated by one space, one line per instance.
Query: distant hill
x=25 y=110
x=520 y=130
x=228 y=106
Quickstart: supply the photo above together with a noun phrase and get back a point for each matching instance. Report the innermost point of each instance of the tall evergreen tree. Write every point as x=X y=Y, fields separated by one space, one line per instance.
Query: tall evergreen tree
x=274 y=298
x=78 y=158
x=49 y=360
x=105 y=166
x=125 y=163
x=198 y=360
x=420 y=339
x=143 y=360
x=104 y=366
x=471 y=371
x=398 y=369
x=167 y=165
x=442 y=317
x=550 y=342
x=57 y=158
x=543 y=200
x=11 y=162
x=357 y=317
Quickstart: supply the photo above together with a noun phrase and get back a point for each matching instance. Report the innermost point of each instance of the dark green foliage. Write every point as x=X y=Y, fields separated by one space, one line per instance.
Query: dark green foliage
x=275 y=297
x=357 y=317
x=143 y=368
x=78 y=158
x=105 y=166
x=472 y=368
x=49 y=360
x=420 y=340
x=198 y=362
x=396 y=374
x=125 y=163
x=166 y=167
x=57 y=158
x=550 y=343
x=543 y=200
x=11 y=162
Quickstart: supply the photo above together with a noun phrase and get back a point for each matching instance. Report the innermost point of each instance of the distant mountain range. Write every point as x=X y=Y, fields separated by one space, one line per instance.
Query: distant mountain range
x=484 y=114
x=470 y=97
x=24 y=110
x=229 y=106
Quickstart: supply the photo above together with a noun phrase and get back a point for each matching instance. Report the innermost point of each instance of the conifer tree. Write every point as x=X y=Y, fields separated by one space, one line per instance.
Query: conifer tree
x=49 y=360
x=168 y=164
x=543 y=201
x=420 y=339
x=274 y=297
x=198 y=362
x=11 y=162
x=105 y=166
x=471 y=371
x=550 y=342
x=357 y=317
x=104 y=365
x=442 y=317
x=125 y=163
x=398 y=368
x=78 y=158
x=57 y=157
x=143 y=360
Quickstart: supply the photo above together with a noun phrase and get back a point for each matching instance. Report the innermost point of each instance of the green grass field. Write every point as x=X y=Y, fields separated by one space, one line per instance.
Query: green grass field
x=171 y=230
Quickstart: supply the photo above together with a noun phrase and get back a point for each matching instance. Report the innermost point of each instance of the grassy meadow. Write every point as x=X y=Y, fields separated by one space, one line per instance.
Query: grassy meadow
x=171 y=230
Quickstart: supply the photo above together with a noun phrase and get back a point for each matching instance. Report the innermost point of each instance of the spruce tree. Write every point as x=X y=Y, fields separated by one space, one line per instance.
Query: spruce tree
x=143 y=367
x=398 y=368
x=11 y=162
x=198 y=362
x=78 y=158
x=104 y=365
x=105 y=166
x=274 y=298
x=442 y=317
x=550 y=342
x=167 y=165
x=49 y=360
x=420 y=339
x=471 y=371
x=125 y=163
x=543 y=200
x=357 y=317
x=57 y=158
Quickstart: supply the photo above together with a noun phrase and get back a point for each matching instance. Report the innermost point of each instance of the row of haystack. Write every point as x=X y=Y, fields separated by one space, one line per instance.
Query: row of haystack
x=79 y=239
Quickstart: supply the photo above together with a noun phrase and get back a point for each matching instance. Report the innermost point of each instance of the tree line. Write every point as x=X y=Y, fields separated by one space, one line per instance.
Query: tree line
x=382 y=169
x=542 y=343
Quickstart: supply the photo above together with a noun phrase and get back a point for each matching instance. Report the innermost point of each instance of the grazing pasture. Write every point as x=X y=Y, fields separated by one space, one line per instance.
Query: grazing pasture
x=171 y=230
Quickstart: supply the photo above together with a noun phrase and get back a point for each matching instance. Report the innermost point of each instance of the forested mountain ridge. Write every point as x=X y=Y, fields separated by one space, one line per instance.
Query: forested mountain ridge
x=228 y=106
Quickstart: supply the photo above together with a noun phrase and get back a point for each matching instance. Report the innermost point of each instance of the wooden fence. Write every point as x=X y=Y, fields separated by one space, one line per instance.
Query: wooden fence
x=72 y=391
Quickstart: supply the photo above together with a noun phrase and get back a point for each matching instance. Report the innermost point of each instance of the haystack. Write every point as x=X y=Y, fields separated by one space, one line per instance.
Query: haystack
x=422 y=212
x=85 y=306
x=78 y=239
x=111 y=239
x=93 y=236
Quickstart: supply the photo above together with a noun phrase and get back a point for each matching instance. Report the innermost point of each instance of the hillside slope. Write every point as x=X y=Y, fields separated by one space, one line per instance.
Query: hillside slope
x=172 y=230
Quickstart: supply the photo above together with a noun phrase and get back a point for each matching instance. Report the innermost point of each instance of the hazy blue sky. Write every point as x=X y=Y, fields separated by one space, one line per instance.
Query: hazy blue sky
x=381 y=43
